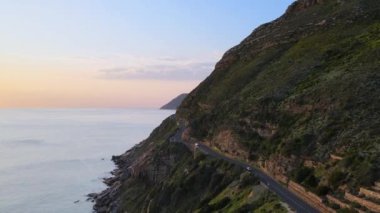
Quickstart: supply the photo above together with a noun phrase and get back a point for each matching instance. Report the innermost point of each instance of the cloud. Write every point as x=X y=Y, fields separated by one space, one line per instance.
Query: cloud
x=164 y=68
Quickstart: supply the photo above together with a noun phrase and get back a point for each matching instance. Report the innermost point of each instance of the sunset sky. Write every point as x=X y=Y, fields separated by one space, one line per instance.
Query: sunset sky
x=117 y=53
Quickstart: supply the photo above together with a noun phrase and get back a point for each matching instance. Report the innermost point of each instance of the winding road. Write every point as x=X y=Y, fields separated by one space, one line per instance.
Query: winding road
x=286 y=195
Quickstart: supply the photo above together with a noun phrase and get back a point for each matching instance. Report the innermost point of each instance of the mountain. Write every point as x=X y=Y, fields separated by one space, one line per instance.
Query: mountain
x=297 y=100
x=174 y=104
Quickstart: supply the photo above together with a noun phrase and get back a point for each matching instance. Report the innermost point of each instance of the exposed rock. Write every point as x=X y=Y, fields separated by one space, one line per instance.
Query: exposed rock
x=302 y=5
x=92 y=197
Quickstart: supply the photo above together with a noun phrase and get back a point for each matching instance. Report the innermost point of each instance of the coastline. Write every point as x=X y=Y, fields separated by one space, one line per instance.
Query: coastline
x=108 y=199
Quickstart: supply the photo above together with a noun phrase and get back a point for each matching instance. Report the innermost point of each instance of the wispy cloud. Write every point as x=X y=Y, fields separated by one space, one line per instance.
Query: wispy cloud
x=165 y=68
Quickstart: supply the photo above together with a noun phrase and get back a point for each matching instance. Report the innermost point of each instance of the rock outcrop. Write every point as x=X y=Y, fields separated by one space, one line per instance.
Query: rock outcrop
x=301 y=5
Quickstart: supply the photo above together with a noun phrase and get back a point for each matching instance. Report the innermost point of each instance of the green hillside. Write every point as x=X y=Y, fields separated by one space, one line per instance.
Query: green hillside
x=312 y=78
x=298 y=98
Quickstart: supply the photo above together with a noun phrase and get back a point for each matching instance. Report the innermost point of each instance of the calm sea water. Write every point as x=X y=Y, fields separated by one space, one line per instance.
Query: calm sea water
x=50 y=159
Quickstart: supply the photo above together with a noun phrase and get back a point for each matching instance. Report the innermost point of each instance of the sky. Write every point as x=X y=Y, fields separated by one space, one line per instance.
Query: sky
x=117 y=53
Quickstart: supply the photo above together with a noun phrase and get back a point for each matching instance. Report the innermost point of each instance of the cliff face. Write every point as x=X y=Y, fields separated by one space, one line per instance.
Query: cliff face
x=299 y=97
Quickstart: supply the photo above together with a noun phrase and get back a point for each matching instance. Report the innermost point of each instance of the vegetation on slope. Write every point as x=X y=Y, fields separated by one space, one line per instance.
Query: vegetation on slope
x=311 y=79
x=192 y=183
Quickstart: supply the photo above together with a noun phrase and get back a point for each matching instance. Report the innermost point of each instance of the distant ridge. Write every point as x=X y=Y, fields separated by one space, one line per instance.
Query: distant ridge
x=174 y=104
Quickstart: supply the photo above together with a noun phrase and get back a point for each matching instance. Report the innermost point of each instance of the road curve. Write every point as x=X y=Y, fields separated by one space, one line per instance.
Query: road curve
x=287 y=196
x=295 y=202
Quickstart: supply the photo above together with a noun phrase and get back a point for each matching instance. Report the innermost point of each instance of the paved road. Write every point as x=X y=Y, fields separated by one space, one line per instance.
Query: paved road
x=289 y=197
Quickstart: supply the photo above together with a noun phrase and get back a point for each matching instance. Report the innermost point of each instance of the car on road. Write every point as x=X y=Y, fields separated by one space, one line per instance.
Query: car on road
x=196 y=145
x=248 y=168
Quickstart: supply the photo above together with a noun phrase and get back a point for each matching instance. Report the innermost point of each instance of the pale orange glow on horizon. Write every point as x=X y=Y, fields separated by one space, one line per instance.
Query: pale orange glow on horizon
x=79 y=82
x=60 y=89
x=52 y=81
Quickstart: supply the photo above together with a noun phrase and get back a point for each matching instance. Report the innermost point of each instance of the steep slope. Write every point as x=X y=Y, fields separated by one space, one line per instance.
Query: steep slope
x=304 y=86
x=159 y=175
x=298 y=98
x=174 y=104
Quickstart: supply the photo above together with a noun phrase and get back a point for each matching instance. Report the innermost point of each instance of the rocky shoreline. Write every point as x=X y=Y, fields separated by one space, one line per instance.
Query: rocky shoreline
x=108 y=200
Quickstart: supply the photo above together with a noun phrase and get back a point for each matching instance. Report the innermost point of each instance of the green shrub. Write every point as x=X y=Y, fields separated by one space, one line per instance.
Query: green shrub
x=322 y=190
x=221 y=204
x=311 y=181
x=345 y=210
x=336 y=177
x=302 y=173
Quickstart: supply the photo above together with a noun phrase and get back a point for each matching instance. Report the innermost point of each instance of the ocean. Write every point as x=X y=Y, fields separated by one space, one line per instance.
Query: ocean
x=50 y=159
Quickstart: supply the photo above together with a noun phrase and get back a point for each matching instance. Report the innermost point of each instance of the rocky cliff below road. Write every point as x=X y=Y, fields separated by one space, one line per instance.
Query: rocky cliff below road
x=160 y=175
